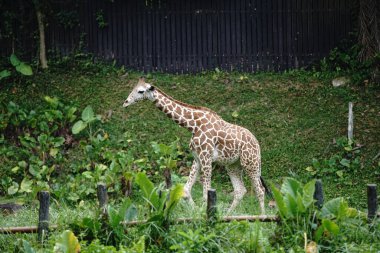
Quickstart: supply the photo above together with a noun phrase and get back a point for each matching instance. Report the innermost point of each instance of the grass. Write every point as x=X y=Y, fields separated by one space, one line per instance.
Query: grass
x=295 y=117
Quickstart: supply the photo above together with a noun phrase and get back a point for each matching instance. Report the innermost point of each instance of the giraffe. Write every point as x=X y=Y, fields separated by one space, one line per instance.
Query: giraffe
x=213 y=140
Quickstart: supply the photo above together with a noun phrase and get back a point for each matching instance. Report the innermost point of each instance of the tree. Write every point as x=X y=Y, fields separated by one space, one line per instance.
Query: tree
x=41 y=30
x=369 y=33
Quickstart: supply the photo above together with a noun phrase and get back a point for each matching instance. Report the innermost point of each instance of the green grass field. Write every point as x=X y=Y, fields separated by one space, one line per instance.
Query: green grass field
x=295 y=116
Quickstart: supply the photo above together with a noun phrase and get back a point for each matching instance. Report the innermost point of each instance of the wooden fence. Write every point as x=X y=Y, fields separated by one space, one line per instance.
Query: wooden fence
x=211 y=212
x=190 y=36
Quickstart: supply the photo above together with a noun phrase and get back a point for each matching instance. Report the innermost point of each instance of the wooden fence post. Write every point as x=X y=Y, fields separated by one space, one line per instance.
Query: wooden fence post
x=318 y=194
x=103 y=198
x=43 y=217
x=350 y=130
x=372 y=201
x=211 y=205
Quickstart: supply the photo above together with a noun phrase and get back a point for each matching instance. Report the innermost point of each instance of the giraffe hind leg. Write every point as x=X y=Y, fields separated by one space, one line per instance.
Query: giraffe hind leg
x=253 y=170
x=239 y=189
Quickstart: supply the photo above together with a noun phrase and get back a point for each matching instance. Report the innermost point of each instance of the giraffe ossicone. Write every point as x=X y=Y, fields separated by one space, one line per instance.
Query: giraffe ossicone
x=213 y=140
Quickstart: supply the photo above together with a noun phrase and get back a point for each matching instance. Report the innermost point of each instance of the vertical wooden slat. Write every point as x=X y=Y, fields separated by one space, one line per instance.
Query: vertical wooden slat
x=124 y=33
x=269 y=45
x=222 y=34
x=155 y=39
x=237 y=30
x=215 y=34
x=209 y=19
x=188 y=16
x=276 y=15
x=281 y=24
x=149 y=38
x=260 y=35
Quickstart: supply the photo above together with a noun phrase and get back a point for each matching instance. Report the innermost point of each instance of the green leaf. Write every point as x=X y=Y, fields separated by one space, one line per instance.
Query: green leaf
x=291 y=204
x=280 y=202
x=174 y=197
x=334 y=208
x=15 y=169
x=26 y=247
x=308 y=193
x=35 y=171
x=148 y=189
x=24 y=69
x=13 y=189
x=319 y=233
x=291 y=187
x=67 y=243
x=14 y=60
x=345 y=162
x=114 y=217
x=88 y=114
x=22 y=164
x=330 y=226
x=139 y=247
x=78 y=127
x=70 y=114
x=235 y=114
x=300 y=206
x=58 y=141
x=26 y=185
x=131 y=213
x=52 y=101
x=352 y=212
x=87 y=174
x=5 y=73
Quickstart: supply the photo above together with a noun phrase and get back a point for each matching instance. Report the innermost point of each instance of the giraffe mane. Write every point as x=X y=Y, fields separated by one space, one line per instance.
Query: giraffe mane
x=184 y=104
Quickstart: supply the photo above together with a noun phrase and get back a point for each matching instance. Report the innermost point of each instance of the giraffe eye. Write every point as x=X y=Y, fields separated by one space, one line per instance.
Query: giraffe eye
x=141 y=91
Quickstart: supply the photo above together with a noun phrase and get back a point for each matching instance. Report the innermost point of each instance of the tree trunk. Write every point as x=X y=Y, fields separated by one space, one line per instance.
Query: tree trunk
x=41 y=30
x=369 y=29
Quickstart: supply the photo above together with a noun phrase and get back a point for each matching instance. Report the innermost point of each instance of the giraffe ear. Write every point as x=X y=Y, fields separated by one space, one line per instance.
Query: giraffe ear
x=151 y=88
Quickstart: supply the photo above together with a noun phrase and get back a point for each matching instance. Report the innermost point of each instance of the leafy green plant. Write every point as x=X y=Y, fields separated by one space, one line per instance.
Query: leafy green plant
x=20 y=66
x=96 y=246
x=67 y=243
x=344 y=61
x=99 y=16
x=40 y=137
x=88 y=117
x=345 y=161
x=167 y=158
x=160 y=205
x=107 y=228
x=300 y=220
x=195 y=241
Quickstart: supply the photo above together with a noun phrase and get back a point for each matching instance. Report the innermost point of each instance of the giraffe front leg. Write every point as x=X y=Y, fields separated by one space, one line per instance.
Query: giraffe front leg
x=206 y=169
x=190 y=182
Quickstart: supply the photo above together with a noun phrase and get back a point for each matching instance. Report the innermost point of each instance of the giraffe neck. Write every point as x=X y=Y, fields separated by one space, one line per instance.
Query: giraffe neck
x=183 y=114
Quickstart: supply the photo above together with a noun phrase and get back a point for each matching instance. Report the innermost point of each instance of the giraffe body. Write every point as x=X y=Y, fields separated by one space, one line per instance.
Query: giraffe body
x=213 y=140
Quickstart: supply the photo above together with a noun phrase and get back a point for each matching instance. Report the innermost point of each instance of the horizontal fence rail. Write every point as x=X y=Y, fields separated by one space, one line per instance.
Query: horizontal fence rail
x=190 y=36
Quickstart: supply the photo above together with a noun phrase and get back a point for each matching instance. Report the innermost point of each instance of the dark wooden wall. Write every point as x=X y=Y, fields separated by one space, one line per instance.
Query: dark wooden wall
x=194 y=35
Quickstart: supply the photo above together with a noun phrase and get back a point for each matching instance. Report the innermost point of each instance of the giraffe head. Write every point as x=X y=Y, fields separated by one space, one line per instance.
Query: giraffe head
x=141 y=91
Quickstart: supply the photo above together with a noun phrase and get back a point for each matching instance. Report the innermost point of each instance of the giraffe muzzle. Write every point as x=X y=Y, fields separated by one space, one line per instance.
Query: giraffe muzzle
x=126 y=103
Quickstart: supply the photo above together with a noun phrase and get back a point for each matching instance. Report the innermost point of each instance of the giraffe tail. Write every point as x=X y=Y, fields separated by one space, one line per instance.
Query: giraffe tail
x=268 y=192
